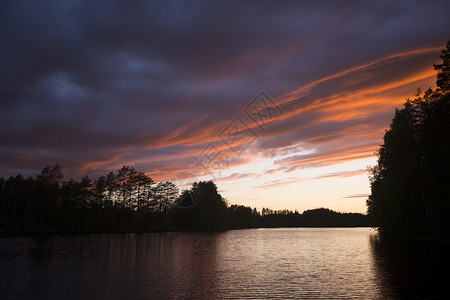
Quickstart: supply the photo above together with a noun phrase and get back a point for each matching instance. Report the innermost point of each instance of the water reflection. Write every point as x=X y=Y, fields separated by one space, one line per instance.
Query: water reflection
x=138 y=266
x=153 y=265
x=336 y=263
x=411 y=269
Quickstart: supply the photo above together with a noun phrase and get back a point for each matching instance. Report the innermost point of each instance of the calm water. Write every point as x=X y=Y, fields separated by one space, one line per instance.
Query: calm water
x=257 y=263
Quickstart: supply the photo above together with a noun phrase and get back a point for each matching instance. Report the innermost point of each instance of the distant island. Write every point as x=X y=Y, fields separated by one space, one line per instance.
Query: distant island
x=130 y=201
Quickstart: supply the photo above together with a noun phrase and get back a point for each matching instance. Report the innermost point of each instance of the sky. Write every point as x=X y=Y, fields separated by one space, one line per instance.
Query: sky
x=282 y=103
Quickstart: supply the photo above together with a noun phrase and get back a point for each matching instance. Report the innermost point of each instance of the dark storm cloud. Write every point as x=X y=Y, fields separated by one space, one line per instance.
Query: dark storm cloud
x=97 y=84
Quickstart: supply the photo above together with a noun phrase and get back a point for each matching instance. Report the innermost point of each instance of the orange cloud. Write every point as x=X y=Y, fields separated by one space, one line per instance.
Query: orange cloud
x=305 y=89
x=343 y=93
x=329 y=157
x=351 y=107
x=291 y=180
x=94 y=165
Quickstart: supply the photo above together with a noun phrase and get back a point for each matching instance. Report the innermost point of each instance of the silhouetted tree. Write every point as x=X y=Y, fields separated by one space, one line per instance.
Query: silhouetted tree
x=51 y=174
x=410 y=183
x=132 y=202
x=202 y=208
x=112 y=203
x=240 y=216
x=443 y=71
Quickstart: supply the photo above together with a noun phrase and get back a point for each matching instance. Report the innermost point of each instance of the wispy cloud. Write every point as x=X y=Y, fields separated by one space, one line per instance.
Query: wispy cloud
x=278 y=183
x=356 y=196
x=327 y=157
x=342 y=174
x=292 y=180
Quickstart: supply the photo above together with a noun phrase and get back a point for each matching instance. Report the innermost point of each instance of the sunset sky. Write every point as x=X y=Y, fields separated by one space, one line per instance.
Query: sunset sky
x=282 y=103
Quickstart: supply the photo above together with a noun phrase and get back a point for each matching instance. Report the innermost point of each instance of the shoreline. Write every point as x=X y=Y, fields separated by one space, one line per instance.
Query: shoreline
x=169 y=230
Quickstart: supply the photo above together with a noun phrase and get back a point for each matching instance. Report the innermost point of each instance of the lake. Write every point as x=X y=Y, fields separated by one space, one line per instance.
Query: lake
x=313 y=263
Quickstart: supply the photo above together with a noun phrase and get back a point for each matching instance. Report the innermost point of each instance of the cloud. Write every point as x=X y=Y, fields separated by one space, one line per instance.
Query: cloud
x=343 y=174
x=236 y=176
x=327 y=157
x=278 y=183
x=356 y=196
x=291 y=180
x=99 y=85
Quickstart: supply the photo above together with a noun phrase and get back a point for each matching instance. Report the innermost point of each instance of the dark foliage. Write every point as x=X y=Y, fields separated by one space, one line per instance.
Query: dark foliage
x=320 y=217
x=201 y=208
x=240 y=216
x=130 y=201
x=410 y=184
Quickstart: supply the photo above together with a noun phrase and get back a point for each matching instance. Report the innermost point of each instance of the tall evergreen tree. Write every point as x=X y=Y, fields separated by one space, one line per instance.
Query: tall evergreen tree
x=410 y=183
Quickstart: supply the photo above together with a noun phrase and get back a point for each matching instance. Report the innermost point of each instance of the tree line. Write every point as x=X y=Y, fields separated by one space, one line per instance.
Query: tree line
x=410 y=185
x=130 y=201
x=126 y=201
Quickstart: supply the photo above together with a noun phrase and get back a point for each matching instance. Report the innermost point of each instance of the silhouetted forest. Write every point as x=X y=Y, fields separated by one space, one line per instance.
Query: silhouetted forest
x=130 y=201
x=411 y=182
